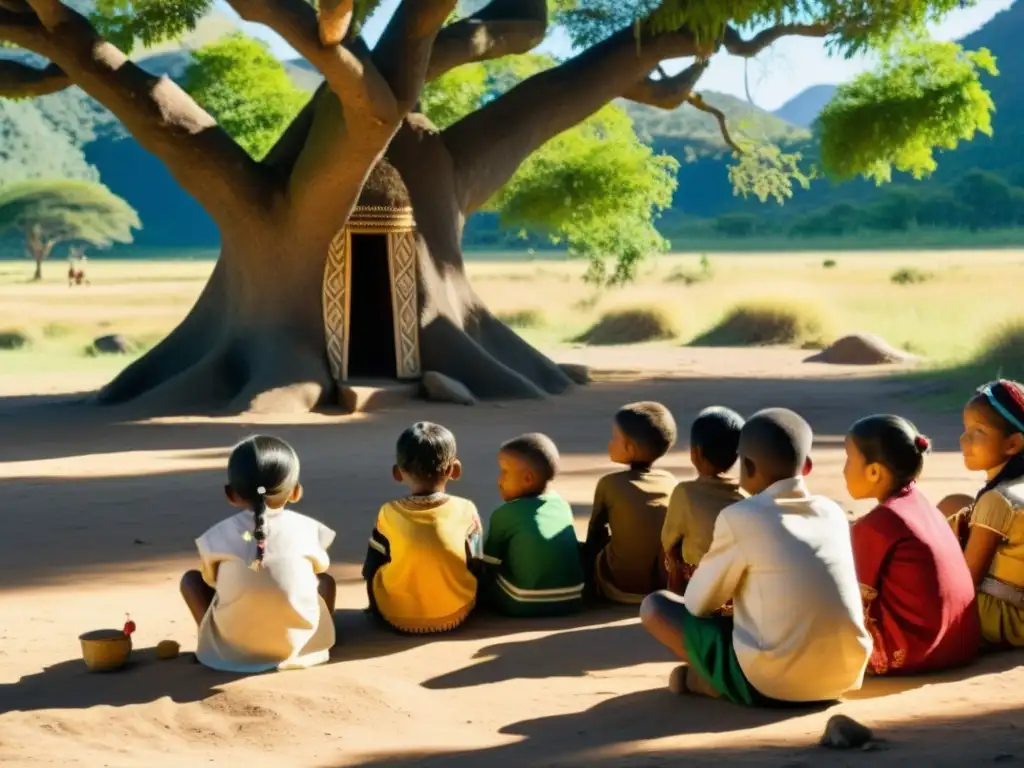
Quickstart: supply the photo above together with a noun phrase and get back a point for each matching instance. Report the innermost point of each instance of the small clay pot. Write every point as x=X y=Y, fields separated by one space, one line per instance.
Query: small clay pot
x=105 y=650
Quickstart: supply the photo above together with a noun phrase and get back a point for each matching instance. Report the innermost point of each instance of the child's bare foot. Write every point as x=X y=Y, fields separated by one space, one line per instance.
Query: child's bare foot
x=677 y=680
x=696 y=684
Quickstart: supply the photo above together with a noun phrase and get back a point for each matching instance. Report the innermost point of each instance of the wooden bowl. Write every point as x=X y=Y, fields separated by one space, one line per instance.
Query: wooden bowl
x=104 y=650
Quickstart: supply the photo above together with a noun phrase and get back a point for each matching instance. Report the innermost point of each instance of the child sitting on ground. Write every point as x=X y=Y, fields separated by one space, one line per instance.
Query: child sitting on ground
x=531 y=544
x=992 y=529
x=622 y=553
x=696 y=504
x=263 y=599
x=919 y=602
x=783 y=556
x=419 y=562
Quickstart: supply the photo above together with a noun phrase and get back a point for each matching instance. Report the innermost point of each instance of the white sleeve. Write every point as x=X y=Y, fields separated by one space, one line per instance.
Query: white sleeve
x=215 y=547
x=324 y=537
x=718 y=574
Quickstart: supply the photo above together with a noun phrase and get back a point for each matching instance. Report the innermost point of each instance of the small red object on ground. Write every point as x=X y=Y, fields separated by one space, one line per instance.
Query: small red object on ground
x=129 y=626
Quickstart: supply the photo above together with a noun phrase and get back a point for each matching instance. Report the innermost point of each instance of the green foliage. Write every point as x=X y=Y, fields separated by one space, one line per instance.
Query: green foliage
x=127 y=22
x=596 y=189
x=67 y=210
x=766 y=171
x=247 y=90
x=925 y=96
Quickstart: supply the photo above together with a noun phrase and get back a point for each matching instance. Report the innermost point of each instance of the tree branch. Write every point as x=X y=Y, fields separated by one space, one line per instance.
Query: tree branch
x=335 y=20
x=488 y=145
x=19 y=80
x=356 y=82
x=737 y=45
x=668 y=91
x=697 y=101
x=404 y=50
x=207 y=163
x=501 y=28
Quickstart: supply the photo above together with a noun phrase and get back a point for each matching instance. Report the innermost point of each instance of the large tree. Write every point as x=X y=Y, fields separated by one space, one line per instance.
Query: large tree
x=255 y=338
x=50 y=212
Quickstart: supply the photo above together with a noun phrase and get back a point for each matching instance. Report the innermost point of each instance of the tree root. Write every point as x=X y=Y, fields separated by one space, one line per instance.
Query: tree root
x=513 y=351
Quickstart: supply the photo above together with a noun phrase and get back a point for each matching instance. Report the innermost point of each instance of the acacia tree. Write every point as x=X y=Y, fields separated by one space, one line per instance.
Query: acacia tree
x=255 y=338
x=50 y=212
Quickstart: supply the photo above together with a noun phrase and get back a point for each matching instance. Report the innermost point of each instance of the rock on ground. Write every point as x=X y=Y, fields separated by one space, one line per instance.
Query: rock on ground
x=445 y=389
x=861 y=349
x=580 y=374
x=842 y=732
x=112 y=345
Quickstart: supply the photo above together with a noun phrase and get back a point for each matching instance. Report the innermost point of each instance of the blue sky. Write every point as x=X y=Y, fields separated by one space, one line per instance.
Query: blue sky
x=776 y=75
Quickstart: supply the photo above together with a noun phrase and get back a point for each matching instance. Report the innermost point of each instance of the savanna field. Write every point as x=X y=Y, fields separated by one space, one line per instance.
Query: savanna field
x=100 y=515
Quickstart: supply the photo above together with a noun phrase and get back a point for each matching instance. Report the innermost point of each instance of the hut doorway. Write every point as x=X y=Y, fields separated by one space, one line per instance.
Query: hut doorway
x=371 y=344
x=371 y=309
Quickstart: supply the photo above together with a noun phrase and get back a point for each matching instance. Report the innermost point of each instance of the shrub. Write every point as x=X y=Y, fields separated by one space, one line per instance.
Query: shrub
x=631 y=326
x=829 y=263
x=13 y=338
x=523 y=318
x=1001 y=353
x=768 y=322
x=910 y=276
x=688 y=276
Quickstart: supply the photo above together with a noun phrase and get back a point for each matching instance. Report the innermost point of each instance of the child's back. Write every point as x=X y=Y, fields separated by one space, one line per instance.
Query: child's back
x=633 y=504
x=272 y=616
x=532 y=543
x=424 y=583
x=785 y=558
x=417 y=567
x=623 y=546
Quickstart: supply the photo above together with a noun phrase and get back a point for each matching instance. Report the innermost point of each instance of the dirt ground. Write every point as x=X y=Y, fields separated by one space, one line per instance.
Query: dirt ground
x=99 y=516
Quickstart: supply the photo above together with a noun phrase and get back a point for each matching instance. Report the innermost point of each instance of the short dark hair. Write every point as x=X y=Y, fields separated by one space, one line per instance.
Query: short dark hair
x=716 y=431
x=893 y=442
x=650 y=426
x=777 y=441
x=538 y=451
x=425 y=451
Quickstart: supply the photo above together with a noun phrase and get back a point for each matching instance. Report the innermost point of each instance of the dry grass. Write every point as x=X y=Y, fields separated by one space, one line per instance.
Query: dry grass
x=633 y=325
x=766 y=322
x=942 y=319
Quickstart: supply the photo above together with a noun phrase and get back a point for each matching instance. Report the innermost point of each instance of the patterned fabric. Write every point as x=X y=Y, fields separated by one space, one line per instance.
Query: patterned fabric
x=533 y=558
x=919 y=603
x=419 y=563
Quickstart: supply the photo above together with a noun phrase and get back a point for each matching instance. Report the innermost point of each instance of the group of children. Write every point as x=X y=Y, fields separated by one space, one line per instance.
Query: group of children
x=765 y=590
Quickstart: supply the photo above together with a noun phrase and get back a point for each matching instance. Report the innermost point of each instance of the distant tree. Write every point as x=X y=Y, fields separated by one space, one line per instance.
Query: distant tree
x=51 y=212
x=942 y=210
x=989 y=198
x=896 y=211
x=737 y=224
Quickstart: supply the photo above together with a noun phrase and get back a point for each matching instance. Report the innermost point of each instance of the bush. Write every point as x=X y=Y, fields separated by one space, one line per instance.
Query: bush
x=688 y=276
x=767 y=323
x=910 y=276
x=1002 y=352
x=13 y=338
x=829 y=263
x=631 y=326
x=523 y=318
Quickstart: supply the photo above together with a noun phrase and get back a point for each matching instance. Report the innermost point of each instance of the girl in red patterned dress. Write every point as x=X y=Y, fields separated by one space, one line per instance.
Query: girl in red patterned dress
x=919 y=601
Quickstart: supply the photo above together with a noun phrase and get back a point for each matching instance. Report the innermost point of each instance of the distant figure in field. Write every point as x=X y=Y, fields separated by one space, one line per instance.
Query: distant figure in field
x=76 y=267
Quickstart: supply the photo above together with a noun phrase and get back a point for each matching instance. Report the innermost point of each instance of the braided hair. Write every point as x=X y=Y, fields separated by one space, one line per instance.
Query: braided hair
x=1004 y=402
x=262 y=467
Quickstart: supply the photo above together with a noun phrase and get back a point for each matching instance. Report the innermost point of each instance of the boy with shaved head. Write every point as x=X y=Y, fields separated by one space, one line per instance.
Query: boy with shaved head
x=783 y=556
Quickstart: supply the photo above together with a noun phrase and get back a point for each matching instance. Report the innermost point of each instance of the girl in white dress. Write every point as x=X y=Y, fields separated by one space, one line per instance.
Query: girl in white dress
x=262 y=598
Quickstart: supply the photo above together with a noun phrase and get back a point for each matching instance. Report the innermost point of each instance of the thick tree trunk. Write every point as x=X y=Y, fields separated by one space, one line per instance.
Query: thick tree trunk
x=255 y=338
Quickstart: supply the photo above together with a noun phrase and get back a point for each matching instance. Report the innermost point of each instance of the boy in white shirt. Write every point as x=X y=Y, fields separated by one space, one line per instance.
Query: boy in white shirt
x=783 y=556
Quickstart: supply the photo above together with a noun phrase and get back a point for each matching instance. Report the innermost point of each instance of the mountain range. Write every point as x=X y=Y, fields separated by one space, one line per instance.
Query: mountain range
x=68 y=134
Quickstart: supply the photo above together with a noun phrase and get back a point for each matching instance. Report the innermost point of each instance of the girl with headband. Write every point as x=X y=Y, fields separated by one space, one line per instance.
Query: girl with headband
x=992 y=529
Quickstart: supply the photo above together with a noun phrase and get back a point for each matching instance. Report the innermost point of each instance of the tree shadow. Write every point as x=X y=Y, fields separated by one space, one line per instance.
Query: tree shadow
x=572 y=653
x=571 y=739
x=70 y=685
x=362 y=636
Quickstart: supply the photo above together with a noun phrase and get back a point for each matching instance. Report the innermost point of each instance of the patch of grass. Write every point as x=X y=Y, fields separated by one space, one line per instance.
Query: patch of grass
x=767 y=323
x=14 y=338
x=57 y=330
x=523 y=318
x=688 y=276
x=910 y=276
x=829 y=263
x=631 y=326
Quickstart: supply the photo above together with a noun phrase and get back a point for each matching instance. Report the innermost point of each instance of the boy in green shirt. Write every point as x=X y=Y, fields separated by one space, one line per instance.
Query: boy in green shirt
x=531 y=548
